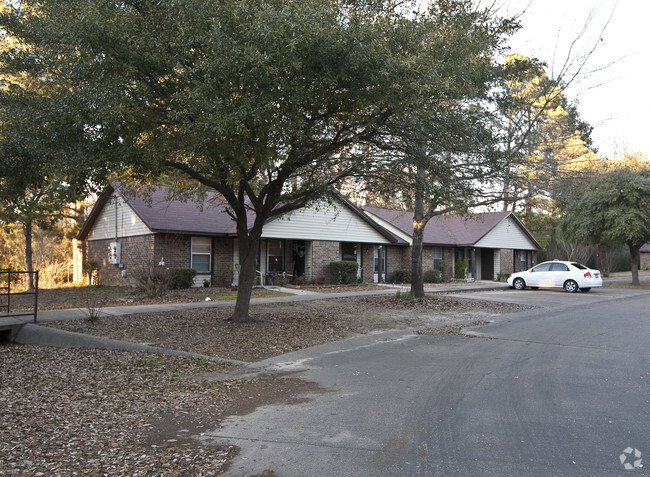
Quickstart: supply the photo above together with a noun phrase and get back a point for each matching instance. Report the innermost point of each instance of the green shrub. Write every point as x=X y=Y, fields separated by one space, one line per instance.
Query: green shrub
x=461 y=268
x=181 y=277
x=344 y=272
x=432 y=276
x=400 y=276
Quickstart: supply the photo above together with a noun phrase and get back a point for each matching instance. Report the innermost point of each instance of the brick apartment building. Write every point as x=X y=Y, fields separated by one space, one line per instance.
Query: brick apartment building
x=128 y=235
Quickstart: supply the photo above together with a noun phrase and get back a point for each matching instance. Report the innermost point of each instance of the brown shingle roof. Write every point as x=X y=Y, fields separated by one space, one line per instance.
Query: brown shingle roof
x=444 y=229
x=200 y=216
x=203 y=216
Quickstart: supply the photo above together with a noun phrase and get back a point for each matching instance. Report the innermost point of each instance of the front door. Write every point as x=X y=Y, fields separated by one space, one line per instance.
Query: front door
x=298 y=258
x=487 y=264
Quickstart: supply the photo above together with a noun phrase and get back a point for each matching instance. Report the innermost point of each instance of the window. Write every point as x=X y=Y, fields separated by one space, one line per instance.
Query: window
x=275 y=256
x=349 y=251
x=559 y=267
x=437 y=258
x=383 y=261
x=523 y=263
x=201 y=253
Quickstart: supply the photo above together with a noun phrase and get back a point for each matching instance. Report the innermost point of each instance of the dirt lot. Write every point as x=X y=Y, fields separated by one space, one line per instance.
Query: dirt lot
x=93 y=412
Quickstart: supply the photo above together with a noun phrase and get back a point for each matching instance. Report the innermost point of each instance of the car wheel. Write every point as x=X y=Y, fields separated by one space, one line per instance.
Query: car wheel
x=519 y=284
x=585 y=290
x=571 y=286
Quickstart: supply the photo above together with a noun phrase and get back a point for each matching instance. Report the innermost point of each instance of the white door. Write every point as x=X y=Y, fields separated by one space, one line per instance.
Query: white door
x=560 y=274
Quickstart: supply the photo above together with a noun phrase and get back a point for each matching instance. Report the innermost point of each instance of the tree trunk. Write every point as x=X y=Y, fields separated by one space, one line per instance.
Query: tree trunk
x=635 y=257
x=29 y=252
x=248 y=250
x=417 y=276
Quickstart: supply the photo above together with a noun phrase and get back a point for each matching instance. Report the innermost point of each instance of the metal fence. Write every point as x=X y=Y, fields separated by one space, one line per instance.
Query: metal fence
x=6 y=294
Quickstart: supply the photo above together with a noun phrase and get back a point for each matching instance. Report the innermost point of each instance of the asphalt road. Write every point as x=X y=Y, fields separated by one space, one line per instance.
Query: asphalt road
x=563 y=390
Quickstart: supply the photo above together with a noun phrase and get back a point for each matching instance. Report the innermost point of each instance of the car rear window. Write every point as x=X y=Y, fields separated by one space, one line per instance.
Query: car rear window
x=579 y=266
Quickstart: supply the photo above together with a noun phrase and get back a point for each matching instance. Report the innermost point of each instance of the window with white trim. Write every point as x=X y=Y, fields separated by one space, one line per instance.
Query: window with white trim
x=437 y=258
x=201 y=254
x=275 y=256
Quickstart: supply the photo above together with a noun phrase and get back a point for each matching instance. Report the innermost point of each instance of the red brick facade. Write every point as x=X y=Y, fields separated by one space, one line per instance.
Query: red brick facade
x=367 y=263
x=140 y=253
x=323 y=253
x=136 y=255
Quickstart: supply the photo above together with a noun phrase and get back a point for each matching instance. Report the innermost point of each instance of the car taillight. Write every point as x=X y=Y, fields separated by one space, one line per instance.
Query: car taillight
x=588 y=275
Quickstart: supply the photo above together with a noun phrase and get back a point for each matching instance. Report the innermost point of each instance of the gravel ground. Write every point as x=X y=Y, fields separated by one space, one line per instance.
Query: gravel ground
x=95 y=412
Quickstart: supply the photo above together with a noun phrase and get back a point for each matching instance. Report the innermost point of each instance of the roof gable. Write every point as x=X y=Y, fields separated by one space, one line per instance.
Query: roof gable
x=456 y=230
x=326 y=221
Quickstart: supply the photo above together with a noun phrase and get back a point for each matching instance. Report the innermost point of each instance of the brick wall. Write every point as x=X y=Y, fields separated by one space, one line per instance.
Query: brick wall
x=173 y=249
x=645 y=261
x=448 y=259
x=397 y=259
x=222 y=262
x=367 y=263
x=141 y=252
x=322 y=254
x=507 y=261
x=136 y=255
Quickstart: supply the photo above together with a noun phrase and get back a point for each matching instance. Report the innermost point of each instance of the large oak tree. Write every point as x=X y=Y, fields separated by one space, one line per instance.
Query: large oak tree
x=267 y=102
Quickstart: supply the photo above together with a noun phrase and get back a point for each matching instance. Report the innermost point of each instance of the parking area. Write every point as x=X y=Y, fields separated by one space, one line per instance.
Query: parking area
x=551 y=298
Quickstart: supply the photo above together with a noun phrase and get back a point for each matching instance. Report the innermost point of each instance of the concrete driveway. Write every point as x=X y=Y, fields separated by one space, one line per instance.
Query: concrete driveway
x=562 y=390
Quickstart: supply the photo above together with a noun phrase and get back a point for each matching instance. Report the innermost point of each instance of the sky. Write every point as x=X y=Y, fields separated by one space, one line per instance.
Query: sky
x=612 y=88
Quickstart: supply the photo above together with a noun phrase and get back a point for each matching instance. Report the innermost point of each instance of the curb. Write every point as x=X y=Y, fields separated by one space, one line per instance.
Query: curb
x=30 y=334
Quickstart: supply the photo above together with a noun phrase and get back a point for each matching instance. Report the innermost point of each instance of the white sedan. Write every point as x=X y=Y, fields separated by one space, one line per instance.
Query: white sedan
x=571 y=276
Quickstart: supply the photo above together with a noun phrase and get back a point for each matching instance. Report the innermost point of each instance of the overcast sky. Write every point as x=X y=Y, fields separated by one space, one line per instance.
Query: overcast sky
x=613 y=91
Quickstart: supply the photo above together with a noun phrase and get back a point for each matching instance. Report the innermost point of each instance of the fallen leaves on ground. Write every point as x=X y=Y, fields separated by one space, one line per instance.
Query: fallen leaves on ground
x=283 y=327
x=91 y=412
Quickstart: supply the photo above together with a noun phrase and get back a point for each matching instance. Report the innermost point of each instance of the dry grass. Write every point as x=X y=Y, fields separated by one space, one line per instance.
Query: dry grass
x=644 y=278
